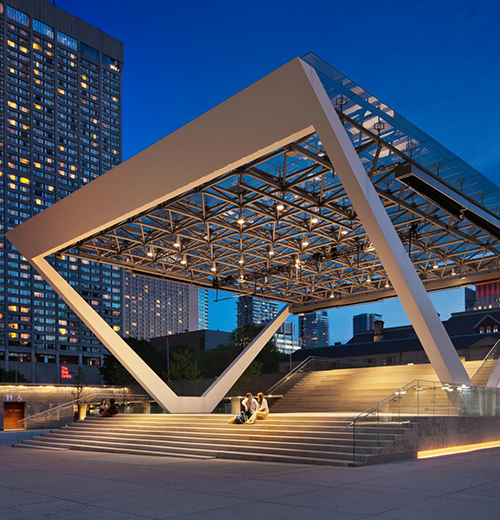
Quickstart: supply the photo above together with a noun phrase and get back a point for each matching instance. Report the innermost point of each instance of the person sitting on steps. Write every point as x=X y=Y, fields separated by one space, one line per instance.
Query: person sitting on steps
x=262 y=409
x=248 y=408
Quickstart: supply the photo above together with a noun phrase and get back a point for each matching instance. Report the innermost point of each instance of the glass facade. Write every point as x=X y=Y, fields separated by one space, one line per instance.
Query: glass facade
x=364 y=322
x=60 y=128
x=255 y=310
x=203 y=322
x=313 y=330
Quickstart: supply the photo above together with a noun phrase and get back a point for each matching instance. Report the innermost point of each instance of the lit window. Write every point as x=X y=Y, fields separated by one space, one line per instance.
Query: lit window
x=43 y=28
x=17 y=16
x=67 y=40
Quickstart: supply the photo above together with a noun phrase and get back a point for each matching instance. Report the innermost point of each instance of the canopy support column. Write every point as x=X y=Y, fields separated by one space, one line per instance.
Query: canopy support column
x=392 y=253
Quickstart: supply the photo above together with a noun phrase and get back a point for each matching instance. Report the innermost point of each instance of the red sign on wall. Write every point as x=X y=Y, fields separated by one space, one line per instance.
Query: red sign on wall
x=65 y=374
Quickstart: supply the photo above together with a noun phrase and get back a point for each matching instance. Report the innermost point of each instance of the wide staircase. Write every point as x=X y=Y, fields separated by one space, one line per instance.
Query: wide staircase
x=356 y=389
x=311 y=424
x=295 y=438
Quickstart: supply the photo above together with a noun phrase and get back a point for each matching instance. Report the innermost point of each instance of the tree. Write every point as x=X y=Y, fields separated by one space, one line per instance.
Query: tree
x=184 y=368
x=114 y=373
x=214 y=362
x=12 y=376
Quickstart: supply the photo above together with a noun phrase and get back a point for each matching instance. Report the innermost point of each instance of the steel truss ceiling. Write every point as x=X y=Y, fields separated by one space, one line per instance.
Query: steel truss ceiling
x=283 y=228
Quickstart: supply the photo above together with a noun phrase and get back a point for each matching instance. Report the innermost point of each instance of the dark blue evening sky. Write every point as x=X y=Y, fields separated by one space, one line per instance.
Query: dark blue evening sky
x=435 y=62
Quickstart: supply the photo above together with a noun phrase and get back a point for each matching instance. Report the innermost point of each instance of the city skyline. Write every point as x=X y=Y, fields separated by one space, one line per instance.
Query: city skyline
x=425 y=70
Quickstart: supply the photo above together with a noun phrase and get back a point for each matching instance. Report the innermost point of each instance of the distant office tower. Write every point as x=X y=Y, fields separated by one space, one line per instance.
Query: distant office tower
x=285 y=340
x=470 y=299
x=153 y=307
x=255 y=310
x=313 y=329
x=486 y=296
x=364 y=322
x=60 y=128
x=203 y=314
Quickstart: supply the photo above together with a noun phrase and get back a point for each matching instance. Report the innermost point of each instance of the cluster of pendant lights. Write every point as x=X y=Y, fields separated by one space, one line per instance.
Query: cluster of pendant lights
x=305 y=242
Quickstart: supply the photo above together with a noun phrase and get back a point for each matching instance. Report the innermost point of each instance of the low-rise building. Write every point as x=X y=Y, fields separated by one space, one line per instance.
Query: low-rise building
x=473 y=333
x=196 y=340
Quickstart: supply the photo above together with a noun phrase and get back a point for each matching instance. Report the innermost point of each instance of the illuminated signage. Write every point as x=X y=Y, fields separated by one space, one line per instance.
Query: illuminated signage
x=65 y=374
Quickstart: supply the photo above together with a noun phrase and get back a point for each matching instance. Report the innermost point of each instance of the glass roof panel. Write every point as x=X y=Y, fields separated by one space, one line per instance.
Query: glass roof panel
x=368 y=110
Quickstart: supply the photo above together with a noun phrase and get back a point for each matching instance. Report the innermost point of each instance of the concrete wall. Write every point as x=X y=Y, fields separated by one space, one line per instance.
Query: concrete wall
x=50 y=373
x=259 y=383
x=39 y=398
x=430 y=433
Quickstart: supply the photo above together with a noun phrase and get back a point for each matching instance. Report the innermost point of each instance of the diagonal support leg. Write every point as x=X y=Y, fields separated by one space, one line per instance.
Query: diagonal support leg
x=147 y=378
x=408 y=286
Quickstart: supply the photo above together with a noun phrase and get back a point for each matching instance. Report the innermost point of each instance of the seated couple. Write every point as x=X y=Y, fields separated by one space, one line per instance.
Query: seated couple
x=252 y=409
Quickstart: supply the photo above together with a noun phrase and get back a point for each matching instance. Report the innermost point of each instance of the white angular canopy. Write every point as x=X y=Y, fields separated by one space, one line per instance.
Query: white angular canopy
x=282 y=193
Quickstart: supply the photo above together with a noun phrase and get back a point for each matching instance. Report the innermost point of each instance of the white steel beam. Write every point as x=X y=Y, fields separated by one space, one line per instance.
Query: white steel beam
x=148 y=379
x=390 y=250
x=284 y=106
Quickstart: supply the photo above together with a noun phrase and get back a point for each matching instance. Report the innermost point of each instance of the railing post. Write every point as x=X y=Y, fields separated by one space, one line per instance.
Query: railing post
x=418 y=398
x=354 y=441
x=378 y=427
x=434 y=399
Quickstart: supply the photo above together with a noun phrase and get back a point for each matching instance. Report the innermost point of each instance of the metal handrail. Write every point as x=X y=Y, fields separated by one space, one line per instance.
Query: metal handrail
x=308 y=360
x=62 y=406
x=486 y=358
x=394 y=395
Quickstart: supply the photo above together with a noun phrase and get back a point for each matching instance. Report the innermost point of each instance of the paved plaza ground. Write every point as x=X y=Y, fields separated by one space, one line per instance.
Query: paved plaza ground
x=36 y=484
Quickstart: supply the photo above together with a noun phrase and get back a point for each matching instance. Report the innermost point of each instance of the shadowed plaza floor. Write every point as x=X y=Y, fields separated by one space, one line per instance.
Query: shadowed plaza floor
x=38 y=484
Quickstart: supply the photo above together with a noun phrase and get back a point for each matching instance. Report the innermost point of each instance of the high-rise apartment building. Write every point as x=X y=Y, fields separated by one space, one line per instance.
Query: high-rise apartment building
x=255 y=310
x=313 y=329
x=285 y=340
x=153 y=307
x=364 y=322
x=60 y=128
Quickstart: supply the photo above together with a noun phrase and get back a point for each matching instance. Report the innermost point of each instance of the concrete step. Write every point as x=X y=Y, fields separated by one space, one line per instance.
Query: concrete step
x=210 y=443
x=220 y=455
x=188 y=449
x=344 y=438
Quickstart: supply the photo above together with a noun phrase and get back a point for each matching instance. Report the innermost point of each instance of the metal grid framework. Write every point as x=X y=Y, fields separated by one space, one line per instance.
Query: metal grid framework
x=283 y=228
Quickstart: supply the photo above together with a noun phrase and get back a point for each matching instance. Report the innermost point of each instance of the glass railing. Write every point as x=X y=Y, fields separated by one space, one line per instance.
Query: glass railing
x=482 y=373
x=419 y=398
x=310 y=364
x=56 y=415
